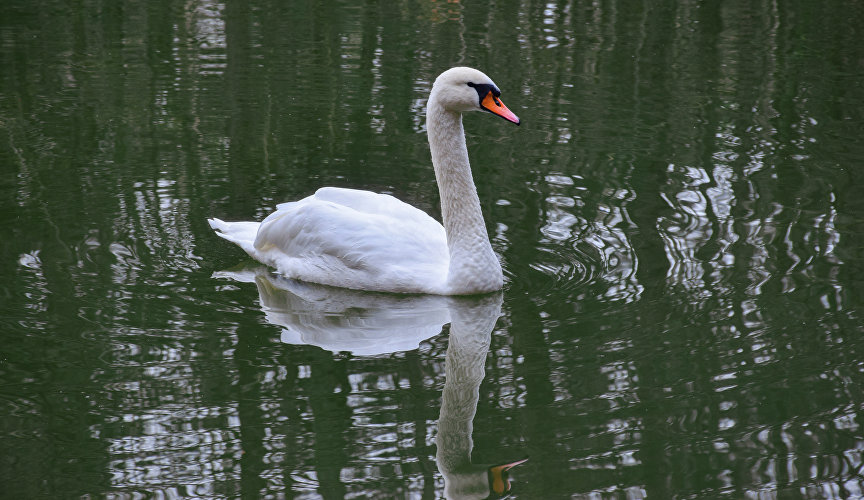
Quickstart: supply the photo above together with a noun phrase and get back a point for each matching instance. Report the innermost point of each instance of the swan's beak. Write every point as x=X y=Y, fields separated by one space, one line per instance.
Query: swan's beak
x=494 y=105
x=498 y=480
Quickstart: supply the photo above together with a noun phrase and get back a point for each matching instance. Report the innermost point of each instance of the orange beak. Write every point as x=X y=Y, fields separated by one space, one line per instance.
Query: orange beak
x=494 y=105
x=498 y=474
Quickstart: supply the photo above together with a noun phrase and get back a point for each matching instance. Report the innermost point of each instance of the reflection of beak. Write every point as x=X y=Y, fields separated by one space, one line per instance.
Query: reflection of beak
x=494 y=105
x=498 y=480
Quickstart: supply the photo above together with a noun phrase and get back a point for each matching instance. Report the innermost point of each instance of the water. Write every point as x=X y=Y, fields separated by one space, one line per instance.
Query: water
x=679 y=218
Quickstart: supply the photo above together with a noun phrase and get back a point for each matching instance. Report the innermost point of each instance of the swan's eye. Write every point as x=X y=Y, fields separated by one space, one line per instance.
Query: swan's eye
x=483 y=89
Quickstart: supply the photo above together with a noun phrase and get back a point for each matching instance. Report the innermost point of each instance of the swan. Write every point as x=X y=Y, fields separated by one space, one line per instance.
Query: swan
x=368 y=241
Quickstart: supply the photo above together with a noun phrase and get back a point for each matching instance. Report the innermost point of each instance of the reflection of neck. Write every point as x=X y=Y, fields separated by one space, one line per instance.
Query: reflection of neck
x=470 y=335
x=473 y=264
x=465 y=368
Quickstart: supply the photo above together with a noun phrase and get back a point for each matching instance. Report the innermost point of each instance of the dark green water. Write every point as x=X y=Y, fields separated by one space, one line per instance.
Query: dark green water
x=680 y=218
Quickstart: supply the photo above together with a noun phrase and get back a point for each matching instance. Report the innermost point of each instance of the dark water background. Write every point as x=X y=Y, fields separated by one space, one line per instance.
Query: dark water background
x=680 y=218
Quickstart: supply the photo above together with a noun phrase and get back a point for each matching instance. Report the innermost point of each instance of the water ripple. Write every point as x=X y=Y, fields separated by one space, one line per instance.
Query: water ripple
x=583 y=244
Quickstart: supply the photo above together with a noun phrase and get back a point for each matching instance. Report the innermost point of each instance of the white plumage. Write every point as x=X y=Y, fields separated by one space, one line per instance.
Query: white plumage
x=348 y=238
x=368 y=241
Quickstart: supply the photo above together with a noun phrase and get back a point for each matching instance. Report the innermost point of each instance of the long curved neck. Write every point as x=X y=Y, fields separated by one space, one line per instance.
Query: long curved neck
x=473 y=265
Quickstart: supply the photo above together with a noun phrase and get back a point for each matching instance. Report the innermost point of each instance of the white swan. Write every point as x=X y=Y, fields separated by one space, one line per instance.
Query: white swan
x=368 y=241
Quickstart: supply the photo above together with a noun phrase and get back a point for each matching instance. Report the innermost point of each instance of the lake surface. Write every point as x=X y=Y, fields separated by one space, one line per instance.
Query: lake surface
x=680 y=218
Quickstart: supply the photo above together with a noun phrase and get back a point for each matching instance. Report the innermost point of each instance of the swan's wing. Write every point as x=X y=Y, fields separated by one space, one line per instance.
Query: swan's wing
x=365 y=202
x=372 y=203
x=355 y=239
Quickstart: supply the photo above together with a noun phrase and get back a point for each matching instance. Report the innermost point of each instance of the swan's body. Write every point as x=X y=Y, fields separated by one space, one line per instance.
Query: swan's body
x=348 y=238
x=369 y=241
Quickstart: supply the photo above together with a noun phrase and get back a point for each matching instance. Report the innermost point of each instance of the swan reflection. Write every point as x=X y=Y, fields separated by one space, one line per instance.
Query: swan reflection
x=366 y=323
x=471 y=324
x=339 y=319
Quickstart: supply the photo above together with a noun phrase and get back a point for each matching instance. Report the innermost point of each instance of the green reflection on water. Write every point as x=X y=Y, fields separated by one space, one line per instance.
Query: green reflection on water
x=678 y=218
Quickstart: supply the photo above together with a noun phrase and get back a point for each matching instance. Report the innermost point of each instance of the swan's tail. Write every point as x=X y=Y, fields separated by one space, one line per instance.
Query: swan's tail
x=241 y=234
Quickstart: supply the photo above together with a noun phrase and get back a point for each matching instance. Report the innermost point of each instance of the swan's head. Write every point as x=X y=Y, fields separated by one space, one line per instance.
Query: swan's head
x=466 y=89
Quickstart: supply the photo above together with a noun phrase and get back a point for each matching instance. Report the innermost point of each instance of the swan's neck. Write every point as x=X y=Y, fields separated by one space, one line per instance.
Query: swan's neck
x=473 y=265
